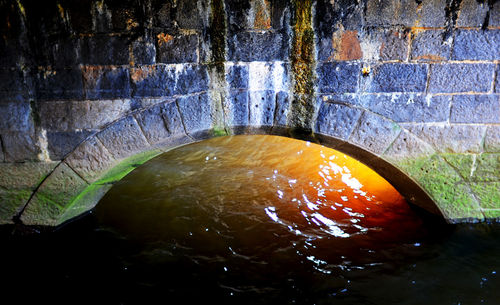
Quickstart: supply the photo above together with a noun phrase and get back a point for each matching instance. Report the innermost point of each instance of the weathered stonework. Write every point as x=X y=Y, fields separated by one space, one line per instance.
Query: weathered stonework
x=409 y=87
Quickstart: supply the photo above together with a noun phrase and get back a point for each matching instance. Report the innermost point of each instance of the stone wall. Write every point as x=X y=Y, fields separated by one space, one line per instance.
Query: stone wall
x=89 y=89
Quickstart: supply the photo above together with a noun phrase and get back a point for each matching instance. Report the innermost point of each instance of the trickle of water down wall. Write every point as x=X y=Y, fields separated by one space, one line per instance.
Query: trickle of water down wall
x=91 y=89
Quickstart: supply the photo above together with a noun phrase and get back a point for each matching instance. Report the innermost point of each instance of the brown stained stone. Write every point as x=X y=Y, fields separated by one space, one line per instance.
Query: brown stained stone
x=262 y=18
x=407 y=146
x=142 y=73
x=124 y=138
x=350 y=48
x=28 y=175
x=90 y=160
x=450 y=138
x=374 y=133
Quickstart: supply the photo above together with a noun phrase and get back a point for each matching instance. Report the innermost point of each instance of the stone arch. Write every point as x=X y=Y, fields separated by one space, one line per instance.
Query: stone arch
x=87 y=173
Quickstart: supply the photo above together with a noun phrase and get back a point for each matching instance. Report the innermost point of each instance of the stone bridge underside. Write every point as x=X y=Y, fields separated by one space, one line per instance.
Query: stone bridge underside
x=90 y=90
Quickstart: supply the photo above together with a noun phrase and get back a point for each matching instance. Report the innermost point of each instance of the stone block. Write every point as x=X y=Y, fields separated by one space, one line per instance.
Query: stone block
x=15 y=116
x=472 y=13
x=495 y=15
x=71 y=115
x=492 y=139
x=487 y=168
x=24 y=176
x=196 y=113
x=105 y=50
x=475 y=109
x=497 y=80
x=90 y=160
x=41 y=211
x=151 y=81
x=407 y=146
x=20 y=146
x=476 y=45
x=408 y=107
x=257 y=46
x=106 y=82
x=268 y=76
x=337 y=77
x=58 y=51
x=188 y=14
x=446 y=188
x=12 y=201
x=458 y=77
x=429 y=45
x=59 y=84
x=172 y=117
x=237 y=76
x=123 y=138
x=282 y=108
x=487 y=194
x=336 y=120
x=143 y=52
x=261 y=108
x=152 y=124
x=450 y=138
x=12 y=86
x=392 y=44
x=462 y=163
x=192 y=79
x=237 y=102
x=396 y=77
x=405 y=12
x=374 y=133
x=62 y=143
x=164 y=14
x=177 y=49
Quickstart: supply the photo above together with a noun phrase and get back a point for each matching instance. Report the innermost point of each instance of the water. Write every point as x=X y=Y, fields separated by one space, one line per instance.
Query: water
x=254 y=220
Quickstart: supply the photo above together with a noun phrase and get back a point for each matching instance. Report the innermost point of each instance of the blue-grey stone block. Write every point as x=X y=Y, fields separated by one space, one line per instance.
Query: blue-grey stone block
x=237 y=77
x=12 y=85
x=472 y=13
x=193 y=79
x=258 y=46
x=172 y=118
x=196 y=113
x=408 y=107
x=458 y=77
x=123 y=138
x=151 y=81
x=238 y=101
x=181 y=49
x=495 y=14
x=350 y=99
x=62 y=143
x=15 y=116
x=475 y=109
x=59 y=84
x=105 y=50
x=336 y=120
x=476 y=45
x=143 y=52
x=396 y=77
x=106 y=82
x=337 y=77
x=152 y=124
x=374 y=133
x=20 y=146
x=429 y=46
x=430 y=13
x=262 y=105
x=188 y=15
x=282 y=108
x=497 y=79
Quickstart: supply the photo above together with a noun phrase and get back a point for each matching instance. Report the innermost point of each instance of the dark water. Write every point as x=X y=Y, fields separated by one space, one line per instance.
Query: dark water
x=253 y=220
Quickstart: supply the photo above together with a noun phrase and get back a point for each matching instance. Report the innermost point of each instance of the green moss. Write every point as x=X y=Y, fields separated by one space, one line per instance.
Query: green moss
x=84 y=202
x=492 y=214
x=488 y=194
x=10 y=203
x=219 y=132
x=487 y=167
x=461 y=162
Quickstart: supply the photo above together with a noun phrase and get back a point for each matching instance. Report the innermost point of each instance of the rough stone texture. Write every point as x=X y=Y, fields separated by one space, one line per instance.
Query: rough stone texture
x=105 y=50
x=15 y=116
x=458 y=77
x=160 y=122
x=178 y=49
x=24 y=175
x=143 y=52
x=407 y=146
x=374 y=133
x=90 y=160
x=492 y=139
x=123 y=138
x=69 y=116
x=62 y=143
x=59 y=84
x=12 y=85
x=384 y=44
x=406 y=12
x=261 y=108
x=106 y=82
x=450 y=138
x=237 y=76
x=257 y=46
x=396 y=77
x=196 y=113
x=12 y=201
x=238 y=108
x=282 y=108
x=487 y=167
x=336 y=120
x=429 y=45
x=20 y=146
x=475 y=109
x=487 y=194
x=495 y=14
x=472 y=13
x=476 y=45
x=408 y=107
x=337 y=77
